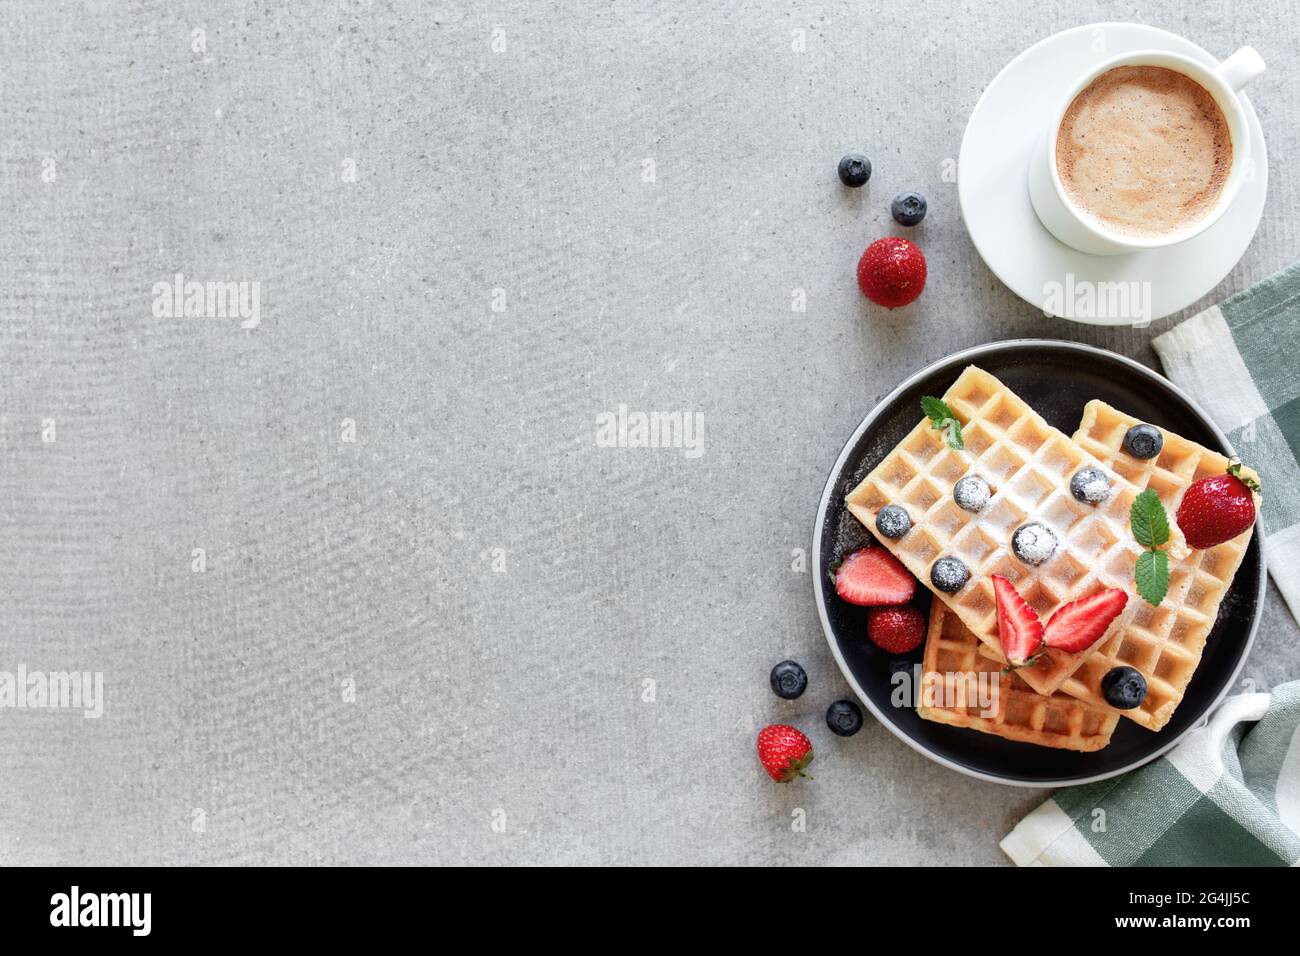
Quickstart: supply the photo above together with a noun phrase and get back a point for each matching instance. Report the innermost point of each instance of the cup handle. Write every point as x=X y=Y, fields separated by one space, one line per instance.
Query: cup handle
x=1240 y=68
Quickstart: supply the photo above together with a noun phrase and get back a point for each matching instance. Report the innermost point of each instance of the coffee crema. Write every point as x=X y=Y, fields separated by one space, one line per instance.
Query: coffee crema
x=1145 y=150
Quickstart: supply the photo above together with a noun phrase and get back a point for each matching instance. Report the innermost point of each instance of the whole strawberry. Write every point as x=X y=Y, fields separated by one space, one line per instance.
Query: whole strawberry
x=891 y=272
x=897 y=630
x=784 y=752
x=1217 y=508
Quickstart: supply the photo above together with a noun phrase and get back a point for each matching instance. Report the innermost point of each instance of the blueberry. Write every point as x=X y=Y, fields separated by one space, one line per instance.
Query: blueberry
x=855 y=170
x=1124 y=688
x=788 y=680
x=1090 y=485
x=844 y=718
x=949 y=575
x=1033 y=543
x=971 y=493
x=893 y=521
x=908 y=208
x=1143 y=441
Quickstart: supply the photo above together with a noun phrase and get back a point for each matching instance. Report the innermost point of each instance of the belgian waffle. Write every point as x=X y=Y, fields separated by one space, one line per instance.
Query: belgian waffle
x=1163 y=642
x=950 y=683
x=1028 y=465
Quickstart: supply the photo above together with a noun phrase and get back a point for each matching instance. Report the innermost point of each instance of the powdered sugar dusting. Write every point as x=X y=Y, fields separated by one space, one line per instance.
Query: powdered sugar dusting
x=971 y=493
x=1090 y=485
x=949 y=575
x=1033 y=543
x=893 y=521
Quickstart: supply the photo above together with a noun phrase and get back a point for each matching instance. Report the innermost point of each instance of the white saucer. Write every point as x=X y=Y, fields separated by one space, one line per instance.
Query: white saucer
x=992 y=185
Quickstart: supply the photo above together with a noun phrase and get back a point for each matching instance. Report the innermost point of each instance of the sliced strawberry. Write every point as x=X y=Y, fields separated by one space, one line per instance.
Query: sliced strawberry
x=1019 y=627
x=1077 y=626
x=872 y=576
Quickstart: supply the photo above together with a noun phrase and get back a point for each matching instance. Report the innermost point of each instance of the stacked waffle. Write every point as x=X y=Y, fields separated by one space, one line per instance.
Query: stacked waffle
x=1028 y=467
x=964 y=687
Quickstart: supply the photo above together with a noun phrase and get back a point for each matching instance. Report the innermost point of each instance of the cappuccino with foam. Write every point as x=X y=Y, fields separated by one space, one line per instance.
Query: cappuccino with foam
x=1144 y=150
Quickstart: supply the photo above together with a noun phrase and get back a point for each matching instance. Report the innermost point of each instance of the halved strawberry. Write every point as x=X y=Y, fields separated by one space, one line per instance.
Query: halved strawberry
x=1019 y=627
x=872 y=576
x=1077 y=626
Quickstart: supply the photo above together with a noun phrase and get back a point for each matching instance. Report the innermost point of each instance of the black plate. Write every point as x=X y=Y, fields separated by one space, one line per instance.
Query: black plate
x=1057 y=379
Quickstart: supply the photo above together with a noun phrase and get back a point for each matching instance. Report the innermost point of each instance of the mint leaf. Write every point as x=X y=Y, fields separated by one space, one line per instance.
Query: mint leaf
x=1150 y=526
x=941 y=416
x=1153 y=576
x=937 y=410
x=1148 y=520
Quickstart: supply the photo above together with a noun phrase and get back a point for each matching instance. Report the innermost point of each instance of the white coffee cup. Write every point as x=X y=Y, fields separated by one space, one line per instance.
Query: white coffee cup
x=1078 y=228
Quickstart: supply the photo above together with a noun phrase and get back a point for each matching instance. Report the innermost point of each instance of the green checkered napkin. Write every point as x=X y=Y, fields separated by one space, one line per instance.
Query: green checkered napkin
x=1240 y=361
x=1228 y=795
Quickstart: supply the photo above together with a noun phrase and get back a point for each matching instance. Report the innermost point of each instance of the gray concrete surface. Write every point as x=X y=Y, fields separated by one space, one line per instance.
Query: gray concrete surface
x=356 y=676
